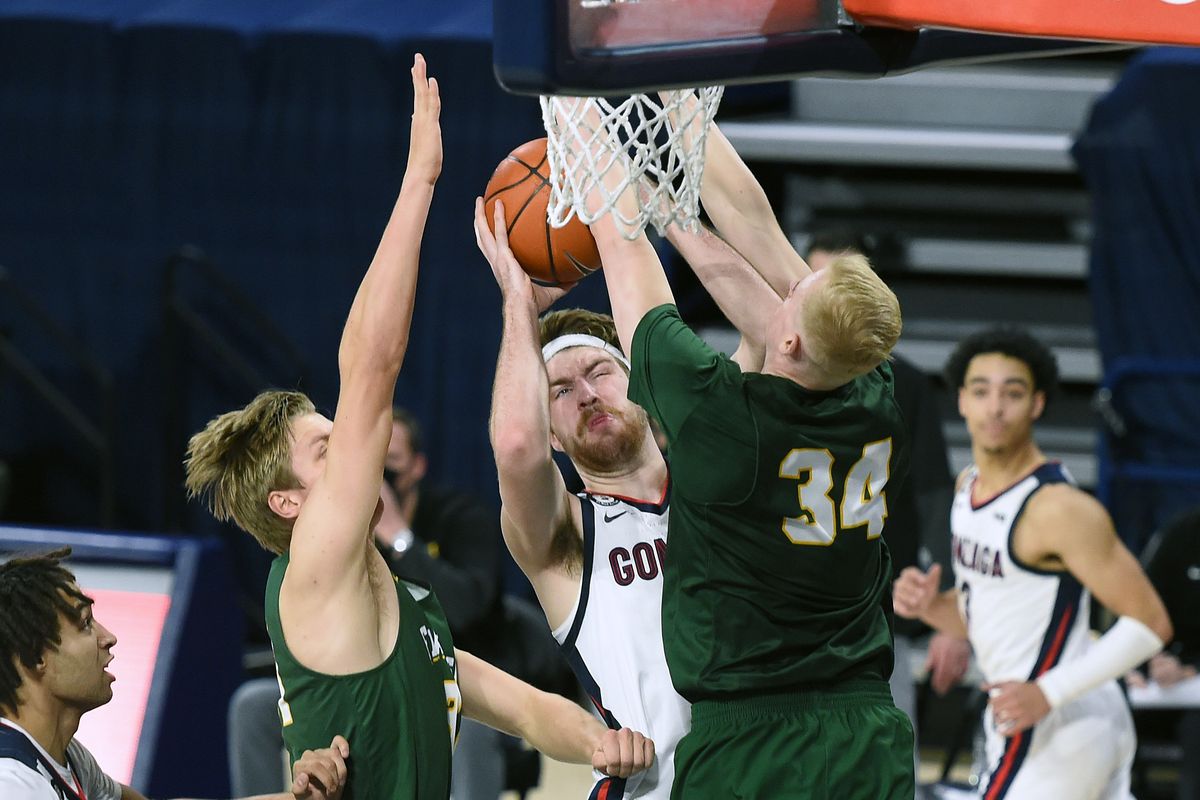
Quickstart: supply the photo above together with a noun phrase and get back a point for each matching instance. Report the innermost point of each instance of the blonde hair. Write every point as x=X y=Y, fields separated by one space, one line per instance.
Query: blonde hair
x=578 y=320
x=853 y=321
x=241 y=457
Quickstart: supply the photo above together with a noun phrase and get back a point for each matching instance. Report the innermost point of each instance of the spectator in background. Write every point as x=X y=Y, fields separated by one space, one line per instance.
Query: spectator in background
x=918 y=525
x=1172 y=562
x=445 y=538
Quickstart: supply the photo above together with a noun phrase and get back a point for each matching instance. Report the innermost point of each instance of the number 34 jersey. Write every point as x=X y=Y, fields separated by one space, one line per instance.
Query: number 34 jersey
x=613 y=637
x=778 y=577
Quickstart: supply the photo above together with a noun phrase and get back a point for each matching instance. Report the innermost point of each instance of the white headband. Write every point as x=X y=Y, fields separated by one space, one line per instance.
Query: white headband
x=556 y=346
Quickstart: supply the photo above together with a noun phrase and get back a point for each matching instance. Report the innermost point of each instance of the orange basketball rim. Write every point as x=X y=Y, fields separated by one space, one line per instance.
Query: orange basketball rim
x=1136 y=21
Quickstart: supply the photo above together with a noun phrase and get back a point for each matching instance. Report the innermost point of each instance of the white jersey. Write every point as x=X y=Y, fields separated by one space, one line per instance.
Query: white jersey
x=45 y=779
x=1022 y=621
x=613 y=636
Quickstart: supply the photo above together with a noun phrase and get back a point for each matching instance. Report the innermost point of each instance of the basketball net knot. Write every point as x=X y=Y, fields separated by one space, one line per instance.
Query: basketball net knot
x=641 y=158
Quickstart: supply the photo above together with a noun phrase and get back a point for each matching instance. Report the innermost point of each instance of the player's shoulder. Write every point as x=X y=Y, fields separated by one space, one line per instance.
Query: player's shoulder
x=876 y=388
x=656 y=321
x=98 y=784
x=553 y=549
x=1065 y=507
x=963 y=476
x=21 y=782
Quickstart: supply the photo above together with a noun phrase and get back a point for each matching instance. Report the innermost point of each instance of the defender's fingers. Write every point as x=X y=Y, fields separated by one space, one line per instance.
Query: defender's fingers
x=300 y=784
x=323 y=774
x=340 y=744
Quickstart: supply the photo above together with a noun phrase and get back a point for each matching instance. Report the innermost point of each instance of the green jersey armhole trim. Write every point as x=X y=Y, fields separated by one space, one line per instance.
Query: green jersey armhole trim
x=349 y=675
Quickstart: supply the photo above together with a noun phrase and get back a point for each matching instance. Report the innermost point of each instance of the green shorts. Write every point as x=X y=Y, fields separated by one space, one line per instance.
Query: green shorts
x=847 y=742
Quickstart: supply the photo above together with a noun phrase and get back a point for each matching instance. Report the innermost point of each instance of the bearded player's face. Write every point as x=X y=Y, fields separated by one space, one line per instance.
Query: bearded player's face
x=591 y=417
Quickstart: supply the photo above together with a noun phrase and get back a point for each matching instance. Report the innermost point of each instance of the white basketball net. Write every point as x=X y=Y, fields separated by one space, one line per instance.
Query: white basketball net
x=653 y=146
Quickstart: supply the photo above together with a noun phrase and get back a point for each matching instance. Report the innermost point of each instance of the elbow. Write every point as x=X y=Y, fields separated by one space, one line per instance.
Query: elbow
x=1163 y=628
x=519 y=446
x=746 y=207
x=526 y=714
x=383 y=359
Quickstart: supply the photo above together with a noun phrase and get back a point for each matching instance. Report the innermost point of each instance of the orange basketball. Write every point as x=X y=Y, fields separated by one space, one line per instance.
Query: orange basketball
x=550 y=256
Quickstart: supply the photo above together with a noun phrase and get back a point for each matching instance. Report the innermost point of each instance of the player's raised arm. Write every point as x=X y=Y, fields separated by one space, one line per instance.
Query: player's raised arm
x=634 y=274
x=740 y=209
x=535 y=503
x=328 y=538
x=552 y=724
x=743 y=296
x=632 y=270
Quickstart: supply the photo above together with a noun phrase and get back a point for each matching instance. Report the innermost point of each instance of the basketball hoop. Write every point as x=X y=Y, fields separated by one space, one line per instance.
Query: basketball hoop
x=654 y=147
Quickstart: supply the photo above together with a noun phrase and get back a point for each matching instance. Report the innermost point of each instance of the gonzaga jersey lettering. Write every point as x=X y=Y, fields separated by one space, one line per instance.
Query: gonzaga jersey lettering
x=613 y=637
x=1021 y=620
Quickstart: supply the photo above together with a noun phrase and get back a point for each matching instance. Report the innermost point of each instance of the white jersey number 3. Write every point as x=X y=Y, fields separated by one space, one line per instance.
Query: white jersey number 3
x=863 y=500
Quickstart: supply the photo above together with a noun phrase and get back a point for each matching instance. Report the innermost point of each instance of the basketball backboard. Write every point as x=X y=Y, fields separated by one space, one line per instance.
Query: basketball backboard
x=583 y=47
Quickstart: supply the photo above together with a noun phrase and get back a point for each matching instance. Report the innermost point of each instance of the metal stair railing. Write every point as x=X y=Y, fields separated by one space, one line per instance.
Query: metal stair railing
x=184 y=325
x=97 y=432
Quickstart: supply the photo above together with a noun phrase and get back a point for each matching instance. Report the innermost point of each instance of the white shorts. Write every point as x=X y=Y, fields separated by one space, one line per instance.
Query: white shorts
x=1082 y=751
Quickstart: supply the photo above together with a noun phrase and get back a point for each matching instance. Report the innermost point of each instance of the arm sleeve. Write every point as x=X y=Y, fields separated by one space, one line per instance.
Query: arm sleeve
x=1126 y=644
x=97 y=785
x=672 y=369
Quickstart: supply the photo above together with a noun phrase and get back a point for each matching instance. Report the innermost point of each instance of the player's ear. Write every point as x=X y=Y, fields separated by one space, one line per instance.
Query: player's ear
x=555 y=443
x=285 y=502
x=1039 y=404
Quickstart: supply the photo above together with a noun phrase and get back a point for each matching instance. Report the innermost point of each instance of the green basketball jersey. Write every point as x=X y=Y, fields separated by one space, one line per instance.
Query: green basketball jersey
x=776 y=576
x=400 y=718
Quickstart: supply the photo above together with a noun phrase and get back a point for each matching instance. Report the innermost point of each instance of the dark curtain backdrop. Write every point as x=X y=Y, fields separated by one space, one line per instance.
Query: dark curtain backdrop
x=280 y=156
x=1140 y=155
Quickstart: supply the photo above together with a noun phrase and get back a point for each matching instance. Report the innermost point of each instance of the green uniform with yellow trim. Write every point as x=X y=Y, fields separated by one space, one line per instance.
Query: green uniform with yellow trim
x=401 y=718
x=776 y=594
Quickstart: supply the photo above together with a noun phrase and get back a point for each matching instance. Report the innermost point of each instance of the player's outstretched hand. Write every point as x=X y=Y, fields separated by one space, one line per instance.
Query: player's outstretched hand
x=321 y=774
x=514 y=283
x=425 y=140
x=914 y=591
x=1016 y=705
x=622 y=753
